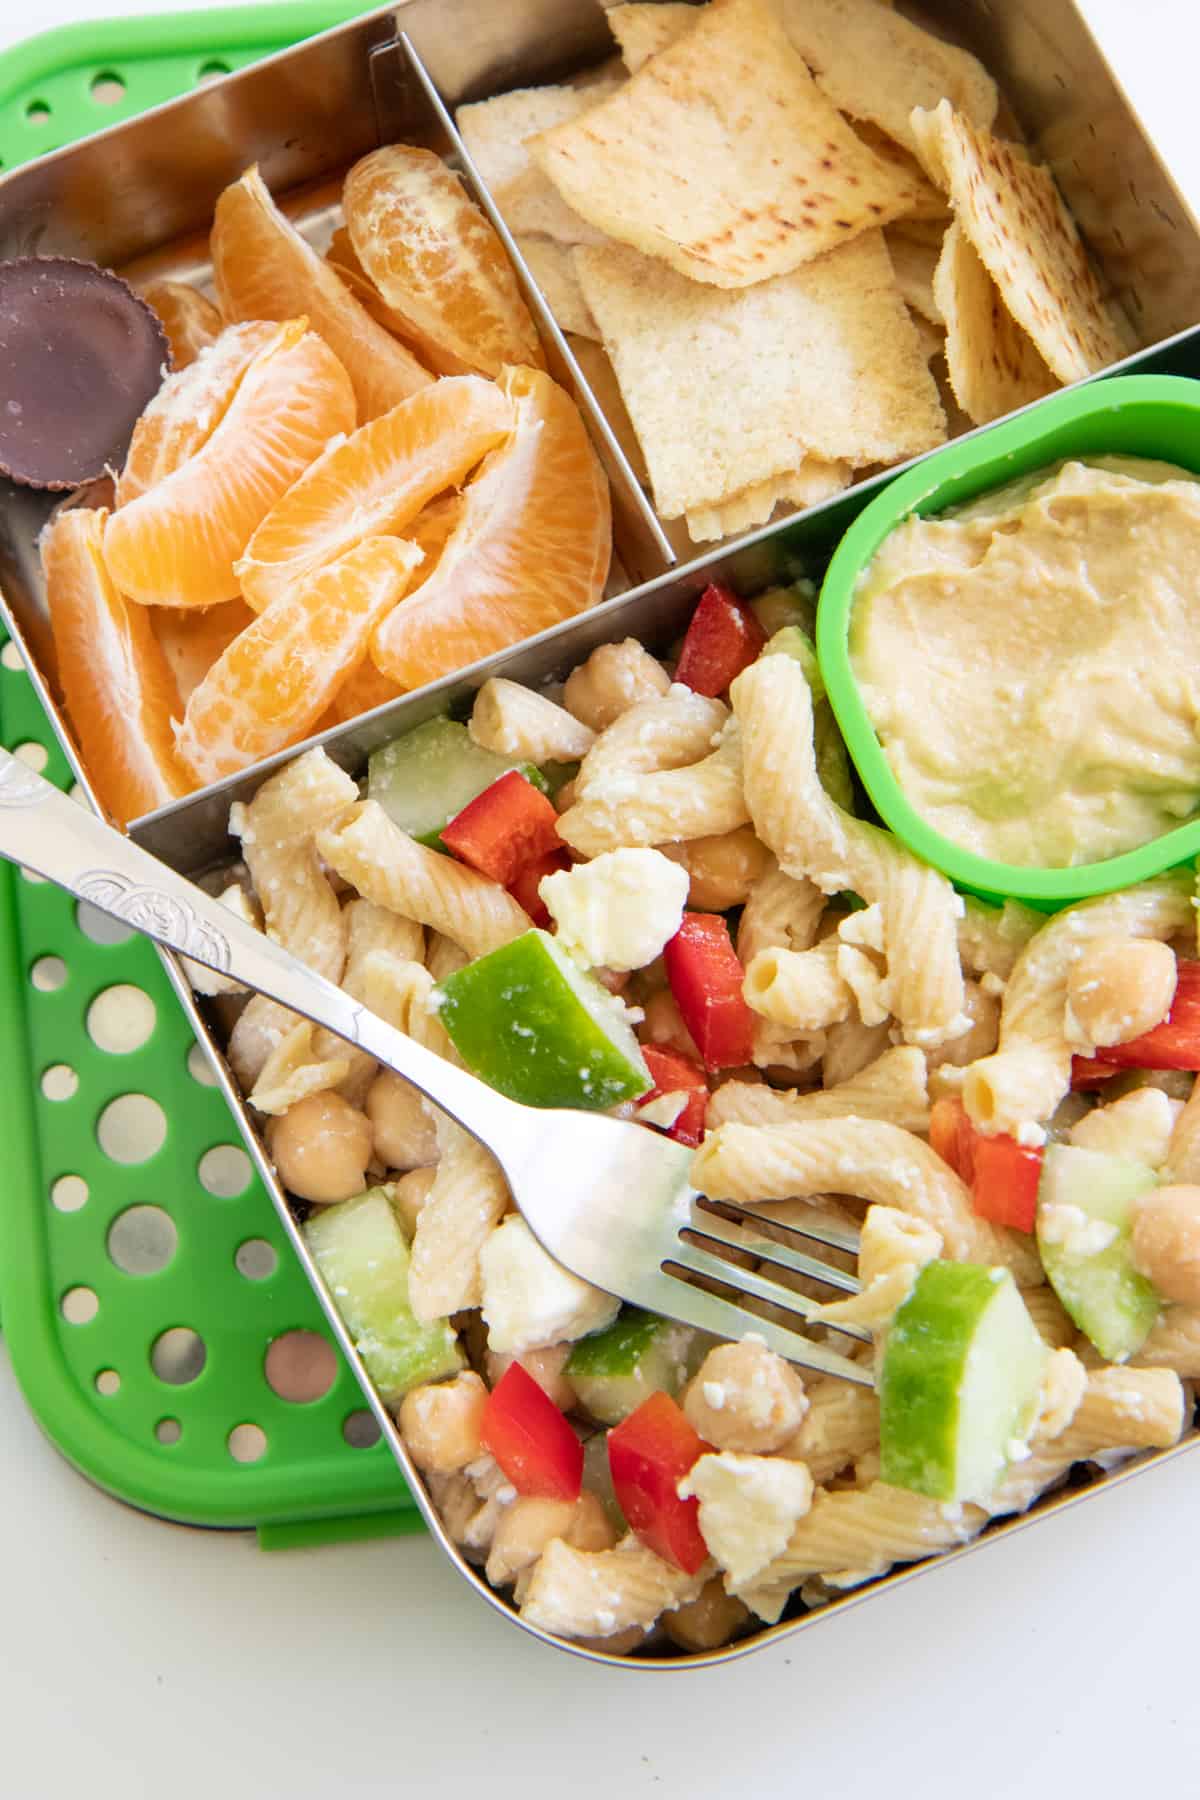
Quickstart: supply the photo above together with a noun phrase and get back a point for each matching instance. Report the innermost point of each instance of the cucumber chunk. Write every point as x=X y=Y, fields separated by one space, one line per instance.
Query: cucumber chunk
x=424 y=779
x=613 y=1371
x=958 y=1391
x=1086 y=1202
x=361 y=1252
x=529 y=1022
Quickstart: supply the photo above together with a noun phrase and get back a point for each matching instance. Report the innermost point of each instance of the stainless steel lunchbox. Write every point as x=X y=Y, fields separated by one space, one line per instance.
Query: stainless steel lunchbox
x=139 y=197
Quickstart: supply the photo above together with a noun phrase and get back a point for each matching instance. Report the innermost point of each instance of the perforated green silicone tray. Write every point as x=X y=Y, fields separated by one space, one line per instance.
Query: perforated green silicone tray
x=148 y=1298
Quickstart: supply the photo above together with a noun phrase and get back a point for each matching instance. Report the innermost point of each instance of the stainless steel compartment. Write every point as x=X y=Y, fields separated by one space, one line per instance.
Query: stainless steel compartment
x=145 y=190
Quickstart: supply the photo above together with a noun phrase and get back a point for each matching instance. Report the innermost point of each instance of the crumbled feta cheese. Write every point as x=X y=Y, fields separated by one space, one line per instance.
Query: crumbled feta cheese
x=618 y=910
x=1030 y=1135
x=529 y=1299
x=1070 y=1228
x=748 y=1506
x=714 y=1394
x=663 y=1110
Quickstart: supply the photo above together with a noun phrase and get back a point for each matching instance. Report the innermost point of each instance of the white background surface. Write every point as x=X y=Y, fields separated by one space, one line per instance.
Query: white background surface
x=140 y=1658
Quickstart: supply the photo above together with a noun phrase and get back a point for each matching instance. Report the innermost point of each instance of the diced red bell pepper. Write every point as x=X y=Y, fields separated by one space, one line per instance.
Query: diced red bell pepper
x=649 y=1453
x=1004 y=1185
x=531 y=1439
x=673 y=1073
x=507 y=826
x=1002 y=1175
x=1175 y=1044
x=723 y=638
x=952 y=1135
x=524 y=889
x=1090 y=1072
x=706 y=979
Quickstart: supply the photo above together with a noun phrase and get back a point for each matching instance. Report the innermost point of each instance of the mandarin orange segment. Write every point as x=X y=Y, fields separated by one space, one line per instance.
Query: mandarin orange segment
x=274 y=682
x=437 y=264
x=362 y=693
x=531 y=547
x=176 y=544
x=264 y=269
x=375 y=481
x=187 y=409
x=114 y=678
x=192 y=638
x=190 y=320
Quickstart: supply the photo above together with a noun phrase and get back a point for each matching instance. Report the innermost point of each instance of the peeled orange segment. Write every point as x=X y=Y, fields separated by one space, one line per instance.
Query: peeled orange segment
x=192 y=638
x=187 y=409
x=190 y=321
x=532 y=545
x=363 y=692
x=176 y=544
x=264 y=269
x=274 y=682
x=375 y=481
x=437 y=264
x=114 y=678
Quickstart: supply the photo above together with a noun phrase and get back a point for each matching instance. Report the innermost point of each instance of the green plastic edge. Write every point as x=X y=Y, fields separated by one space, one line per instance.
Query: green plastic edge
x=140 y=1478
x=1146 y=415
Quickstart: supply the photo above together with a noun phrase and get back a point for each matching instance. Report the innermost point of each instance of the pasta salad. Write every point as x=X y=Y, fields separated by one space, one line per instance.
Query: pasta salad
x=651 y=889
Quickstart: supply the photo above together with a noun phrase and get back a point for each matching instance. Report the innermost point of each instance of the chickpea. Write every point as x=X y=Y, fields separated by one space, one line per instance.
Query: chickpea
x=721 y=869
x=1166 y=1242
x=618 y=1643
x=440 y=1423
x=405 y=1133
x=746 y=1398
x=529 y=1524
x=321 y=1147
x=709 y=1620
x=614 y=678
x=409 y=1195
x=545 y=1364
x=981 y=1039
x=1120 y=987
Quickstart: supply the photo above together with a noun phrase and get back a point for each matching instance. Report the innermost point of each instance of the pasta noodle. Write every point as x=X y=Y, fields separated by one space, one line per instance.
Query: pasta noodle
x=780 y=913
x=469 y=1195
x=1031 y=1071
x=801 y=989
x=391 y=868
x=613 y=678
x=870 y=1158
x=594 y=1593
x=892 y=1088
x=514 y=721
x=812 y=837
x=661 y=806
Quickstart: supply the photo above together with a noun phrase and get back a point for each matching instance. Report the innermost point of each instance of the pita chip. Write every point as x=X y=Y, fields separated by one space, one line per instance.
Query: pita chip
x=993 y=366
x=812 y=482
x=722 y=157
x=645 y=28
x=1013 y=215
x=495 y=131
x=549 y=263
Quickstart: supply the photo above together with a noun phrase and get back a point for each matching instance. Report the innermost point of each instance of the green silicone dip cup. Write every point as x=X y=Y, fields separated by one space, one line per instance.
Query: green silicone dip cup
x=1156 y=416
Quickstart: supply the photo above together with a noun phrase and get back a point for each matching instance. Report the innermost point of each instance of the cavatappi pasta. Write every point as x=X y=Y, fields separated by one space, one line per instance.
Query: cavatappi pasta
x=875 y=997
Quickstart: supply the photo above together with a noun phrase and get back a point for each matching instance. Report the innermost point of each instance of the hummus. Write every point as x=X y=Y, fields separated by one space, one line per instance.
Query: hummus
x=1031 y=662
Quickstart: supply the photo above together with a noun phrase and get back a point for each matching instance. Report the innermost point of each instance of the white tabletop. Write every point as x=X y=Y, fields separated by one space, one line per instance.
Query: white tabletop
x=147 y=1659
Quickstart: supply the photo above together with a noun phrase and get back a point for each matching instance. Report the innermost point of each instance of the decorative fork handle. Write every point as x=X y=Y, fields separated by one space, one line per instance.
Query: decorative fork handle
x=45 y=831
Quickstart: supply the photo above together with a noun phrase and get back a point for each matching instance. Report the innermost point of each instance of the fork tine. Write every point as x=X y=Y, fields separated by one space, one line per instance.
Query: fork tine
x=743 y=1237
x=678 y=1299
x=702 y=1262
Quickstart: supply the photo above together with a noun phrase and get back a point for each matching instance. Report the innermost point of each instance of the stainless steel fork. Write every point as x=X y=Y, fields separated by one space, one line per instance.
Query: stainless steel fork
x=609 y=1199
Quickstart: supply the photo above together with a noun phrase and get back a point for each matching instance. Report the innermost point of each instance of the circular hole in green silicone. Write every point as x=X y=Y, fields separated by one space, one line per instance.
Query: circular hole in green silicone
x=32 y=754
x=60 y=1082
x=80 y=1305
x=132 y=1128
x=361 y=1430
x=211 y=71
x=100 y=926
x=10 y=657
x=256 y=1259
x=300 y=1366
x=142 y=1240
x=199 y=1067
x=37 y=112
x=107 y=88
x=168 y=1431
x=224 y=1171
x=108 y=1382
x=48 y=974
x=69 y=1193
x=121 y=1019
x=178 y=1356
x=247 y=1443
